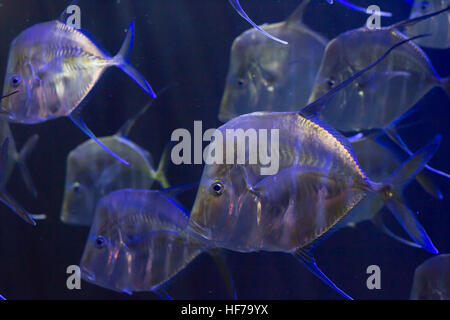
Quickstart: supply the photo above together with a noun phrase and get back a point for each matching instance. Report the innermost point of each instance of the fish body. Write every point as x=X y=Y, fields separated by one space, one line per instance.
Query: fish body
x=92 y=173
x=437 y=27
x=267 y=76
x=53 y=67
x=318 y=182
x=137 y=242
x=432 y=279
x=382 y=94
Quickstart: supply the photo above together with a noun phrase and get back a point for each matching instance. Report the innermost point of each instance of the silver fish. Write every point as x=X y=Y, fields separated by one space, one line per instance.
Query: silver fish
x=266 y=76
x=138 y=242
x=53 y=67
x=319 y=182
x=432 y=279
x=91 y=173
x=384 y=93
x=438 y=27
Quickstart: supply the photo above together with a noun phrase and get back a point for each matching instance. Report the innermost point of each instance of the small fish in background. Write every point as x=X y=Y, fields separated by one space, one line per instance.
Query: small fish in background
x=438 y=27
x=319 y=181
x=92 y=173
x=54 y=66
x=5 y=197
x=279 y=38
x=379 y=160
x=266 y=76
x=138 y=242
x=379 y=98
x=432 y=279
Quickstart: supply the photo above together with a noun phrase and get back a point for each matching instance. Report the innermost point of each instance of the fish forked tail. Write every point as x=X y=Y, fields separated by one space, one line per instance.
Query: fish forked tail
x=160 y=173
x=391 y=192
x=121 y=61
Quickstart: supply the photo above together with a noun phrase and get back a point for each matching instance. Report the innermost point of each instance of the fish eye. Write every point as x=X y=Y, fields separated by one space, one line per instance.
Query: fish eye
x=241 y=82
x=218 y=188
x=424 y=5
x=331 y=83
x=100 y=242
x=76 y=187
x=15 y=81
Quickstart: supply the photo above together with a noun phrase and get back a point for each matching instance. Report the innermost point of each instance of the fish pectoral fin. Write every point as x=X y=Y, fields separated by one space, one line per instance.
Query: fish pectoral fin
x=162 y=293
x=76 y=118
x=23 y=155
x=305 y=256
x=9 y=201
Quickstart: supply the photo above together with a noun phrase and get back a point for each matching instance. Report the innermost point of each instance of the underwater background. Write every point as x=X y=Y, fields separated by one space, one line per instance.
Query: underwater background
x=186 y=44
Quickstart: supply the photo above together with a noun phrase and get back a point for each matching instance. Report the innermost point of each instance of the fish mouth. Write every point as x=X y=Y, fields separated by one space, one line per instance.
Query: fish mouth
x=87 y=274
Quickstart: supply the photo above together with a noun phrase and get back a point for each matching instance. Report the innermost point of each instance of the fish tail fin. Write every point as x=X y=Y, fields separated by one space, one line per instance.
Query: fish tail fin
x=391 y=192
x=121 y=60
x=22 y=156
x=160 y=173
x=445 y=84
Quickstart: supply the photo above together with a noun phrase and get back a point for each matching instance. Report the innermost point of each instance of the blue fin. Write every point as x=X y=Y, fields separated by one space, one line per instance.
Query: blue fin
x=2 y=297
x=306 y=257
x=237 y=6
x=315 y=108
x=76 y=118
x=394 y=201
x=361 y=9
x=162 y=294
x=378 y=221
x=122 y=62
x=413 y=21
x=392 y=133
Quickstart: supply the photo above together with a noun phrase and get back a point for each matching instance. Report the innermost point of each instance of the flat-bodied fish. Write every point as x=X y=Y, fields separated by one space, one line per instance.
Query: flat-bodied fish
x=138 y=242
x=266 y=76
x=92 y=173
x=438 y=27
x=54 y=66
x=384 y=93
x=318 y=183
x=379 y=160
x=432 y=279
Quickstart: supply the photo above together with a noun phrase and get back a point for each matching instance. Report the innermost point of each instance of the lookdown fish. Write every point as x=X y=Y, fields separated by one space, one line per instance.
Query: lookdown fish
x=267 y=33
x=319 y=181
x=379 y=160
x=381 y=96
x=138 y=242
x=438 y=27
x=54 y=66
x=92 y=173
x=267 y=76
x=432 y=279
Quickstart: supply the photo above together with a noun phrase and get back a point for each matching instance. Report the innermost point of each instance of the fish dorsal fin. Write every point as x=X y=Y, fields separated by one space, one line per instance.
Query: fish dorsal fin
x=127 y=126
x=409 y=22
x=299 y=12
x=315 y=108
x=65 y=14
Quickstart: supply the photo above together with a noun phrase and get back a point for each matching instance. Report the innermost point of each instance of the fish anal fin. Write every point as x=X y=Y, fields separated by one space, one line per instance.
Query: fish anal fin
x=306 y=257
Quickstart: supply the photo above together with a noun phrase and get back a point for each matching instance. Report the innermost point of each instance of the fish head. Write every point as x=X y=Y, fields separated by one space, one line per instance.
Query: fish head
x=217 y=205
x=256 y=69
x=424 y=7
x=105 y=256
x=80 y=192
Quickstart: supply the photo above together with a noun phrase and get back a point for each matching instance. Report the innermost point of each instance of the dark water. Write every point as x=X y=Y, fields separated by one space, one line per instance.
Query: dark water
x=187 y=42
